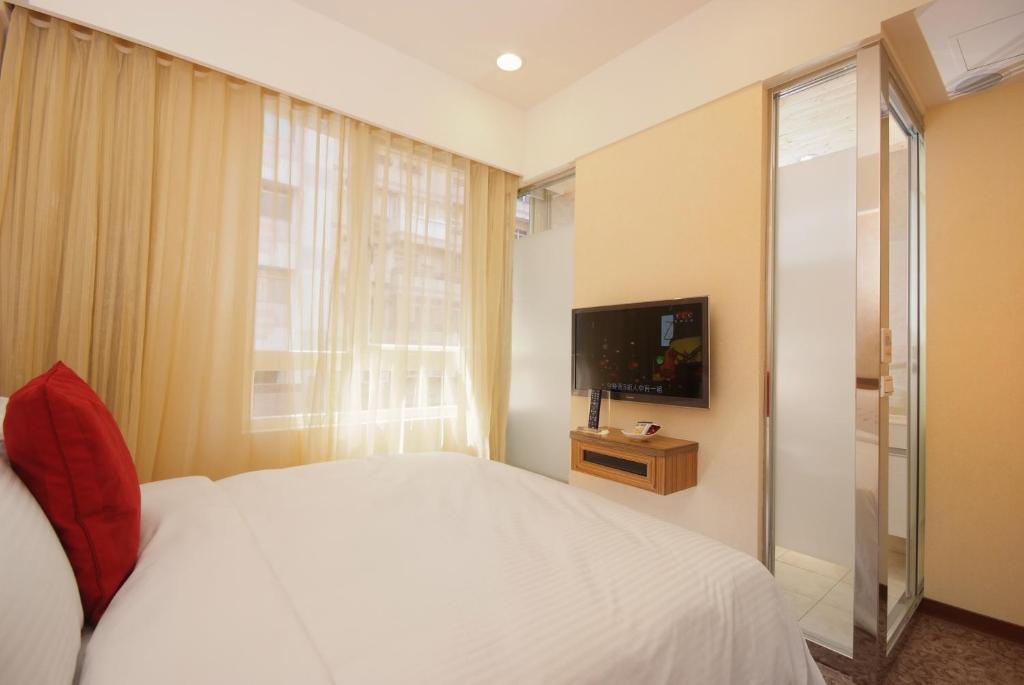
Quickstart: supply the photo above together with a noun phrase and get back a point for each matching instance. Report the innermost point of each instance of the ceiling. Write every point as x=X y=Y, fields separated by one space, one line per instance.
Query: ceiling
x=818 y=121
x=974 y=39
x=559 y=40
x=822 y=119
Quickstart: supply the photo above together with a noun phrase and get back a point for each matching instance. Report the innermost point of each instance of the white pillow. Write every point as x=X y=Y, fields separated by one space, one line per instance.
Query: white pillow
x=40 y=610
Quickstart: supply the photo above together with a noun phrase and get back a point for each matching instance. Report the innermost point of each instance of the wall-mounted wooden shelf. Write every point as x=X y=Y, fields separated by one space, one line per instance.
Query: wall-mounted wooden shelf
x=662 y=465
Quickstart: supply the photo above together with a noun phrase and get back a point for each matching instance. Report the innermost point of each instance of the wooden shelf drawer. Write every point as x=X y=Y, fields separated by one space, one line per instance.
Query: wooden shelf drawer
x=661 y=465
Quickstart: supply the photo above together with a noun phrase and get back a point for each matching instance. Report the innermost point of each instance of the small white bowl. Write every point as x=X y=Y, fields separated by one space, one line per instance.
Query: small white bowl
x=637 y=437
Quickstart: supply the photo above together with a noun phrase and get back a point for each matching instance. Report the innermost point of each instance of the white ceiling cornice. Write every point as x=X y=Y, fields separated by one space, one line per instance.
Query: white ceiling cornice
x=293 y=49
x=719 y=48
x=715 y=48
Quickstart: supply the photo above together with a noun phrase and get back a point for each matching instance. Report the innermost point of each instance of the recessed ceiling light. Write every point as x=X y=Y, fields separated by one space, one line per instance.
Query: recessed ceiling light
x=509 y=61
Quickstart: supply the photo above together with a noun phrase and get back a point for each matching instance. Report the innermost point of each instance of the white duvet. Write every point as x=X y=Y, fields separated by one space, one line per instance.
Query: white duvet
x=431 y=568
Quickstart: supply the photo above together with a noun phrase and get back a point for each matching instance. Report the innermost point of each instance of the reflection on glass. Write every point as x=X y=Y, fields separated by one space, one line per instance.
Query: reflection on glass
x=900 y=366
x=551 y=206
x=814 y=349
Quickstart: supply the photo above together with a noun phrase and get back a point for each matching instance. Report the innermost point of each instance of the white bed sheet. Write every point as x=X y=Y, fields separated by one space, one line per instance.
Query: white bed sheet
x=432 y=568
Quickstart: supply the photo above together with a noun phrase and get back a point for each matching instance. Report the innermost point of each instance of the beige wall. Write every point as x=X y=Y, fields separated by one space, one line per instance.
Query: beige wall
x=677 y=211
x=974 y=540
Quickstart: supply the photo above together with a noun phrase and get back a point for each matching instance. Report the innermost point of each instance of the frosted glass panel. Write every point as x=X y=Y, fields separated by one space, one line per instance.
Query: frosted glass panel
x=814 y=366
x=538 y=412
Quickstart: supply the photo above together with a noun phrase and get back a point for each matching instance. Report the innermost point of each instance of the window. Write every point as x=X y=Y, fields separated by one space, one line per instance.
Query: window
x=359 y=287
x=548 y=205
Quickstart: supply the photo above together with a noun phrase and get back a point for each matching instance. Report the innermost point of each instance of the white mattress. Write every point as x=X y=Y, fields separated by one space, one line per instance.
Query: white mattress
x=434 y=568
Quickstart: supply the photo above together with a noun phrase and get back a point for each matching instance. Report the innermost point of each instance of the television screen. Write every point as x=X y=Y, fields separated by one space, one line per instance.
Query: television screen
x=648 y=352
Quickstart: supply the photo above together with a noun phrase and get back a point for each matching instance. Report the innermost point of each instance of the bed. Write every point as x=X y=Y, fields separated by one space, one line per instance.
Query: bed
x=431 y=568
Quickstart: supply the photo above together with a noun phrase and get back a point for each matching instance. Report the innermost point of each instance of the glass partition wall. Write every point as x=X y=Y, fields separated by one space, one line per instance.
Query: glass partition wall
x=843 y=508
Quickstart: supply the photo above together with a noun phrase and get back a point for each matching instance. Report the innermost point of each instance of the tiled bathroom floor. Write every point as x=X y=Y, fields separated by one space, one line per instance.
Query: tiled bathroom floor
x=820 y=594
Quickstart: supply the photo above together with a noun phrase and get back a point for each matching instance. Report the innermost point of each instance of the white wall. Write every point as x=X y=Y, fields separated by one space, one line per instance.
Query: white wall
x=815 y=314
x=538 y=437
x=720 y=48
x=290 y=48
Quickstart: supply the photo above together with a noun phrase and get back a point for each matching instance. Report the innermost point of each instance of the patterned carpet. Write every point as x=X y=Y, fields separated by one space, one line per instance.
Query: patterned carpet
x=938 y=652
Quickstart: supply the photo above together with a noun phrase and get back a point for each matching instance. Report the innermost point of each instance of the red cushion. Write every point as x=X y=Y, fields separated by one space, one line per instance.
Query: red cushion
x=67 y=448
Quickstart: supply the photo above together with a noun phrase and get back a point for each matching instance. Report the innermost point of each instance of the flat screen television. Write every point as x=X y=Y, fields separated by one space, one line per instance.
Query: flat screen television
x=645 y=352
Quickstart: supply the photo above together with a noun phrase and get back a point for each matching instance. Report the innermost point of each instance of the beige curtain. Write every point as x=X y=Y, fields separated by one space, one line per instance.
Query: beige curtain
x=5 y=21
x=347 y=296
x=488 y=276
x=128 y=194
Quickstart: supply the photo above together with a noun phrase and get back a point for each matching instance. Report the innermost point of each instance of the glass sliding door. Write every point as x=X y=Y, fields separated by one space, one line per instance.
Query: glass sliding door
x=814 y=353
x=843 y=509
x=904 y=365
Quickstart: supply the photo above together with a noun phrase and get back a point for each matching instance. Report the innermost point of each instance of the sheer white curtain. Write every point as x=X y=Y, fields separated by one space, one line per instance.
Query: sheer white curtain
x=374 y=332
